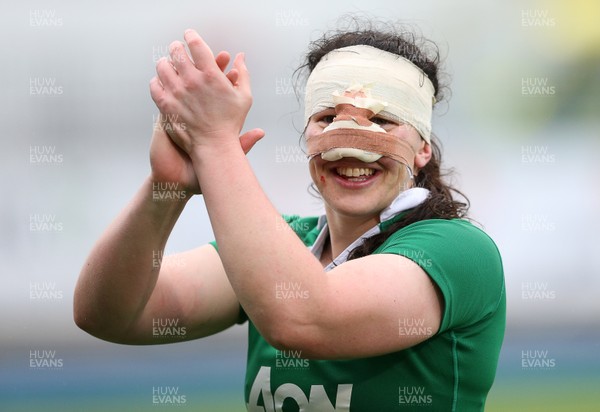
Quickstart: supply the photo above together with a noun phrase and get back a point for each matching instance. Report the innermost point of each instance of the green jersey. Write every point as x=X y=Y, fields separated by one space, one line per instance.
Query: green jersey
x=453 y=370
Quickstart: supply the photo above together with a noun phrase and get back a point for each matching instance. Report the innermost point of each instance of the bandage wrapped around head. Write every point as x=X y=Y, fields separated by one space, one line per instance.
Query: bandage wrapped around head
x=362 y=82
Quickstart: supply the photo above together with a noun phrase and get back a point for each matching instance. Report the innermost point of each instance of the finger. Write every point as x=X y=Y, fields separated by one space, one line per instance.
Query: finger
x=222 y=60
x=180 y=59
x=166 y=73
x=243 y=77
x=249 y=139
x=233 y=76
x=157 y=90
x=201 y=54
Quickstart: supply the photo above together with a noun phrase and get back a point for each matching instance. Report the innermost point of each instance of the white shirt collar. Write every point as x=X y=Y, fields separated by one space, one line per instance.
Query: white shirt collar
x=407 y=199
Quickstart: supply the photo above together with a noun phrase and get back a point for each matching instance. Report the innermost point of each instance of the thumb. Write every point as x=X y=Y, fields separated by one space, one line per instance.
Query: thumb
x=249 y=139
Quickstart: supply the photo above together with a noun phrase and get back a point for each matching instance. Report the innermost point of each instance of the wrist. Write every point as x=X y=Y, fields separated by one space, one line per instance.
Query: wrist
x=225 y=148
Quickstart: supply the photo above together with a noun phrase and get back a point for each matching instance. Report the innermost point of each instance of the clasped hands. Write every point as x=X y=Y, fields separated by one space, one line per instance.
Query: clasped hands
x=200 y=103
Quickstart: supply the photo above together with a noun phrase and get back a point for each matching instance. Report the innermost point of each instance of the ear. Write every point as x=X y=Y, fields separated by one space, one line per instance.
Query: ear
x=423 y=156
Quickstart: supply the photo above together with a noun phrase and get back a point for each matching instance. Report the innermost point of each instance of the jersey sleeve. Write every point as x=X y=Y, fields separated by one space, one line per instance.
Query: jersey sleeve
x=304 y=227
x=463 y=262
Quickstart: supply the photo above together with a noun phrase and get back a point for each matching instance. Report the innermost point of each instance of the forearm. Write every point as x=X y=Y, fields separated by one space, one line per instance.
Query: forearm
x=120 y=273
x=256 y=249
x=261 y=255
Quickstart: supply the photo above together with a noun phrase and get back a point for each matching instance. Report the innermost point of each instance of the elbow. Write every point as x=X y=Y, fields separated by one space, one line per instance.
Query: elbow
x=277 y=338
x=83 y=314
x=88 y=314
x=84 y=320
x=302 y=340
x=80 y=320
x=90 y=321
x=102 y=324
x=97 y=327
x=80 y=314
x=92 y=315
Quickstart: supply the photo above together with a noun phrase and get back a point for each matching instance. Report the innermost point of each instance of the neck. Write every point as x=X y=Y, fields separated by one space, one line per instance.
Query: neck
x=343 y=230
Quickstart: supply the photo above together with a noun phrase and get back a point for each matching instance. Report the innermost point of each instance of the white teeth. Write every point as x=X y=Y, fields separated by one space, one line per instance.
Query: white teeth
x=354 y=172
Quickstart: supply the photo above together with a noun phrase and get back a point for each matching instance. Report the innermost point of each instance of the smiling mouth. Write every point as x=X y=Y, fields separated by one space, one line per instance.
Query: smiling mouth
x=355 y=174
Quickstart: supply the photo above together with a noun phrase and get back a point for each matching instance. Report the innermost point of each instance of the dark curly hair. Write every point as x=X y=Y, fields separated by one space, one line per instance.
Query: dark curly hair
x=425 y=54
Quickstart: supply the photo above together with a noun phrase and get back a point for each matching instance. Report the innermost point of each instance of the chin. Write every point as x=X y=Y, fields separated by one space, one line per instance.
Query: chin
x=350 y=208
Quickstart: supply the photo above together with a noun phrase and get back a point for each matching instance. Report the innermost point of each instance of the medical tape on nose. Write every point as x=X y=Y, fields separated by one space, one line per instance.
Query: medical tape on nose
x=381 y=144
x=405 y=90
x=353 y=134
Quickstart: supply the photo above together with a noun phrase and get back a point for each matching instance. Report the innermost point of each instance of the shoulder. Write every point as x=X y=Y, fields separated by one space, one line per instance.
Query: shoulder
x=455 y=243
x=461 y=259
x=454 y=226
x=450 y=235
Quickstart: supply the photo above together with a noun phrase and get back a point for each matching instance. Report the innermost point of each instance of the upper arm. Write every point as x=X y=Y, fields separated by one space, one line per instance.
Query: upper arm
x=432 y=277
x=192 y=298
x=374 y=305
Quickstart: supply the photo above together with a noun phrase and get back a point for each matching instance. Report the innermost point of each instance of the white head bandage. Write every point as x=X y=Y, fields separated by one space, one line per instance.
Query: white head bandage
x=399 y=89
